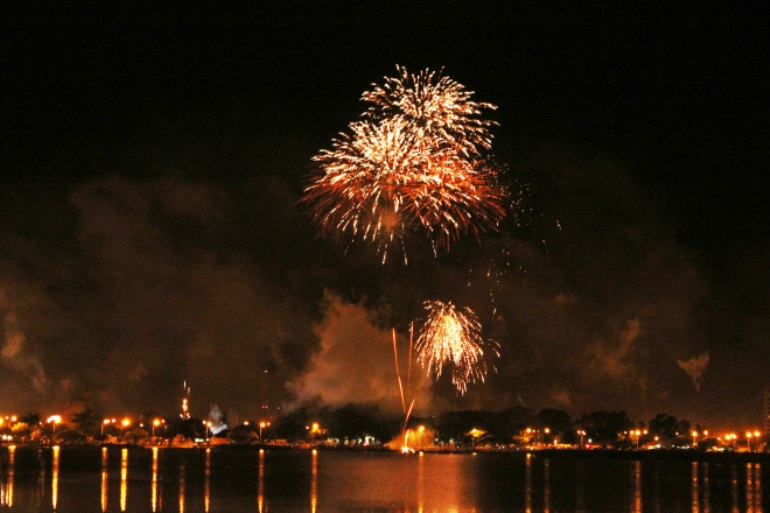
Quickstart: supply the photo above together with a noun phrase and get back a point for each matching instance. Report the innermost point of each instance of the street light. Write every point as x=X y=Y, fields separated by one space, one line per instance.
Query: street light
x=125 y=423
x=582 y=433
x=314 y=429
x=54 y=419
x=104 y=423
x=155 y=423
x=263 y=425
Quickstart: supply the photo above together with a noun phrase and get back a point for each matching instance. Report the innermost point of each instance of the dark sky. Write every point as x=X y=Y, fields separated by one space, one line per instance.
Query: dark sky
x=152 y=162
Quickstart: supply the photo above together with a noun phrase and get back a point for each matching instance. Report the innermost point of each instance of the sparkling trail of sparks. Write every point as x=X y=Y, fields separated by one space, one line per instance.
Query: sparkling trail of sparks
x=529 y=226
x=413 y=164
x=449 y=336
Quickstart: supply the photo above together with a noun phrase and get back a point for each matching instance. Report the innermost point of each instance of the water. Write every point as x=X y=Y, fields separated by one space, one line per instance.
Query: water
x=234 y=480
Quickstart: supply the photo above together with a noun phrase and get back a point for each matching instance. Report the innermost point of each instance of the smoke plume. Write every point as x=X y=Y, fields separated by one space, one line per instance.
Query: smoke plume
x=694 y=367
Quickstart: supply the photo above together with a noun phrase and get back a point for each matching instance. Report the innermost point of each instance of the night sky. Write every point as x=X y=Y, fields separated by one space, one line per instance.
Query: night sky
x=150 y=231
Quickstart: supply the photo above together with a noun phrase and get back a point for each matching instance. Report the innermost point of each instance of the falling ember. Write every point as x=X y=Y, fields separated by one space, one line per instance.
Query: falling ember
x=413 y=164
x=453 y=337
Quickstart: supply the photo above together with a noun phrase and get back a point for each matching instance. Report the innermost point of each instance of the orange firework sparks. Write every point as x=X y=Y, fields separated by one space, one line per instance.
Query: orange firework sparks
x=414 y=164
x=454 y=337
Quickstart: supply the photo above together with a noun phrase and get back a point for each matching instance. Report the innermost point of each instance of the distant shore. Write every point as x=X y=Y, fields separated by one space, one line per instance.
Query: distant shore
x=577 y=454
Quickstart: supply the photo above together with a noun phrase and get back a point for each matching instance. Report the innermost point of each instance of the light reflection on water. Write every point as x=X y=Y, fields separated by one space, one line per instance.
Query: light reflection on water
x=154 y=494
x=105 y=476
x=753 y=488
x=261 y=483
x=129 y=480
x=55 y=477
x=182 y=472
x=636 y=504
x=207 y=487
x=6 y=485
x=695 y=488
x=123 y=478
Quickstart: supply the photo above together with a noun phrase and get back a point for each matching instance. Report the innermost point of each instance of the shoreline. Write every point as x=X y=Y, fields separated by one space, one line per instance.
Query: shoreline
x=576 y=454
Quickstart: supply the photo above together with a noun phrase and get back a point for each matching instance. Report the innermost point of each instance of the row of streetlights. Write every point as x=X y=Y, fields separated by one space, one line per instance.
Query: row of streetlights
x=264 y=424
x=756 y=435
x=125 y=423
x=534 y=433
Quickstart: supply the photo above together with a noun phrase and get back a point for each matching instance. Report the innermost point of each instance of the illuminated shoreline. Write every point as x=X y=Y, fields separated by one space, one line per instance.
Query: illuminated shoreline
x=546 y=453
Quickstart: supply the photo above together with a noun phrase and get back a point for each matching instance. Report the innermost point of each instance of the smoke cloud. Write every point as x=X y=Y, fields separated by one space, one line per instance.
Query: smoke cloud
x=14 y=354
x=695 y=367
x=356 y=363
x=135 y=285
x=152 y=286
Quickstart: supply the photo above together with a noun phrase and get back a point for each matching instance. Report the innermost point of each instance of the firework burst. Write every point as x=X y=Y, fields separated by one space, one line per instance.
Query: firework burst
x=413 y=164
x=438 y=110
x=453 y=337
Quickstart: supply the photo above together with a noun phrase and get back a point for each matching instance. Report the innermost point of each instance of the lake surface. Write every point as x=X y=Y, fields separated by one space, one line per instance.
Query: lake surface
x=234 y=480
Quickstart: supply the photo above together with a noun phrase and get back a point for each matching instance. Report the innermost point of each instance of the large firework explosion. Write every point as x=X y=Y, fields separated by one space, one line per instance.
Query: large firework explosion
x=413 y=164
x=453 y=337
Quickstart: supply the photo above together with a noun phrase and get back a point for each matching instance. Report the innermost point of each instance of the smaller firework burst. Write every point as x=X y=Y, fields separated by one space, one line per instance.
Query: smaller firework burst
x=453 y=337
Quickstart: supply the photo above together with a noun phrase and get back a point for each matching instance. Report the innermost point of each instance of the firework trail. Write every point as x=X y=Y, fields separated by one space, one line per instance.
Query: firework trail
x=413 y=164
x=407 y=411
x=449 y=336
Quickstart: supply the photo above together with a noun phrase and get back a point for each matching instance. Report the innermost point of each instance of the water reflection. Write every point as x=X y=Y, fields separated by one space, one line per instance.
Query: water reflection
x=695 y=489
x=154 y=502
x=261 y=483
x=636 y=503
x=123 y=478
x=41 y=478
x=314 y=483
x=580 y=501
x=207 y=483
x=706 y=500
x=655 y=488
x=6 y=485
x=182 y=471
x=55 y=478
x=547 y=487
x=421 y=483
x=105 y=476
x=753 y=488
x=70 y=480
x=758 y=486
